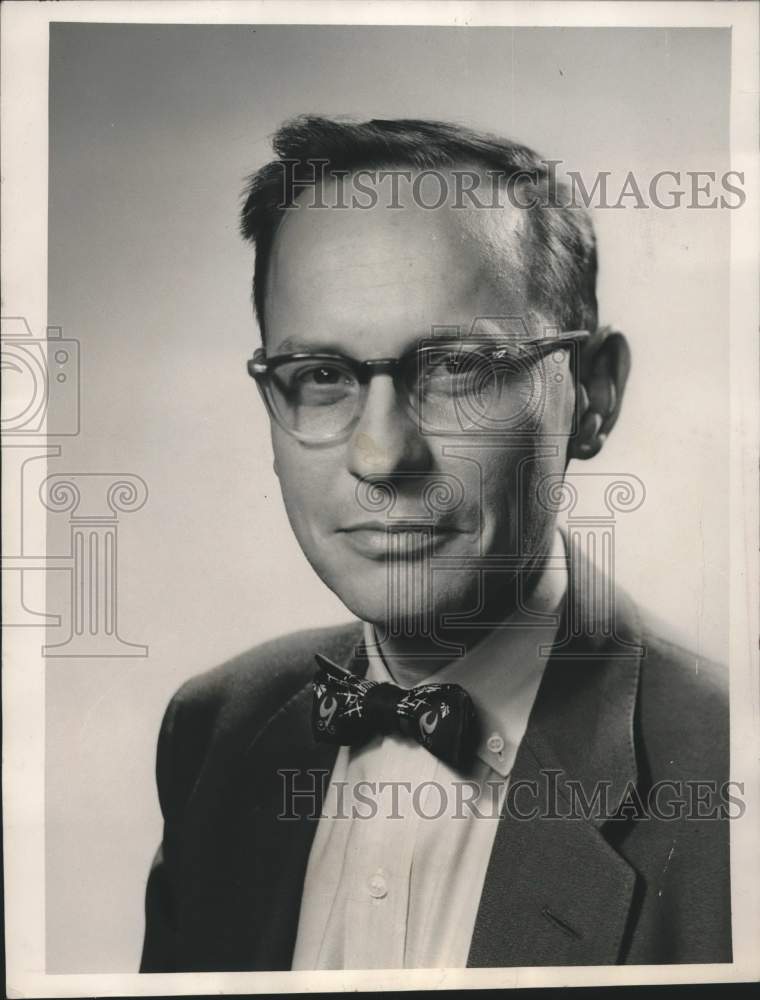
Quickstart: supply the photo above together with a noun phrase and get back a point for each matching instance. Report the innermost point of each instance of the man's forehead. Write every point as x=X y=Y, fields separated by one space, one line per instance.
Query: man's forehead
x=398 y=240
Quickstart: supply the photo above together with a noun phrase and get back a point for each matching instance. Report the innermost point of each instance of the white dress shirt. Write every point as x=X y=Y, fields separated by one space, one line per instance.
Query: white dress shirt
x=396 y=870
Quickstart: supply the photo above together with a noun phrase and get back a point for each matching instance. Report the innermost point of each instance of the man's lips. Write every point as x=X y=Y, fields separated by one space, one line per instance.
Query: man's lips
x=397 y=539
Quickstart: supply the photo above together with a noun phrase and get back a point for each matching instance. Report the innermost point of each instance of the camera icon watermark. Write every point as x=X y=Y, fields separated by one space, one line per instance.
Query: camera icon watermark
x=494 y=380
x=41 y=381
x=42 y=402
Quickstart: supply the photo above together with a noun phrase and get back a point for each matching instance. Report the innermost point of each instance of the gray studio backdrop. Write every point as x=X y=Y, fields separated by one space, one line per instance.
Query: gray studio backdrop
x=152 y=132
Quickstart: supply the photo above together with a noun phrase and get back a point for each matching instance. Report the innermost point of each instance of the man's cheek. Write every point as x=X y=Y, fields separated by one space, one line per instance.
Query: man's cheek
x=300 y=483
x=498 y=496
x=304 y=486
x=542 y=459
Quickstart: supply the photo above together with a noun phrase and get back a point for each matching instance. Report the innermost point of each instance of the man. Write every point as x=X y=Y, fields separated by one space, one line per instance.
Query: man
x=494 y=763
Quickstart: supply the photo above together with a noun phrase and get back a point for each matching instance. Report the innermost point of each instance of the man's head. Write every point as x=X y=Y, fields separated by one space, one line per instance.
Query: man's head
x=367 y=244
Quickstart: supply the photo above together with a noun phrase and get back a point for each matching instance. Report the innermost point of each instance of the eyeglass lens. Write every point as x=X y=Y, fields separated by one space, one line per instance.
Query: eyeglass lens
x=449 y=388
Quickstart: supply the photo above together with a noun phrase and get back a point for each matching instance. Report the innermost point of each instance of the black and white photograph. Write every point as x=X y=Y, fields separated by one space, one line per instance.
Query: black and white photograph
x=380 y=491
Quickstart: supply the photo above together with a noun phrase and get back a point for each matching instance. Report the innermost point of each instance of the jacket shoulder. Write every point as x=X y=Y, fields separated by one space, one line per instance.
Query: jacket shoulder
x=265 y=676
x=683 y=706
x=214 y=716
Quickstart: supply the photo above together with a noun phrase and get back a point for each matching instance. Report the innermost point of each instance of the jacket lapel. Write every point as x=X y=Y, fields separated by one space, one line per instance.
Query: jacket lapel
x=287 y=758
x=556 y=892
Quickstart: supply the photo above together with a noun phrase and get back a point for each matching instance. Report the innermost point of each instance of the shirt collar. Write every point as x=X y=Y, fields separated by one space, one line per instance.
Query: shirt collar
x=503 y=671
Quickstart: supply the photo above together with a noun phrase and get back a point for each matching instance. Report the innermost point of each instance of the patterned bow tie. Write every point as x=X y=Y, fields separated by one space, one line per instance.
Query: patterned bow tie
x=350 y=710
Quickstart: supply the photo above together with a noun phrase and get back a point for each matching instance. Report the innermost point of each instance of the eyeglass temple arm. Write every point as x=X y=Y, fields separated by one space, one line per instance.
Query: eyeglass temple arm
x=260 y=365
x=566 y=335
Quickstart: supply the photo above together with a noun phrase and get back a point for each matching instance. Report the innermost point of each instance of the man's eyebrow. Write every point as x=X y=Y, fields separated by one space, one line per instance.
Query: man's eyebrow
x=488 y=332
x=485 y=336
x=293 y=346
x=498 y=329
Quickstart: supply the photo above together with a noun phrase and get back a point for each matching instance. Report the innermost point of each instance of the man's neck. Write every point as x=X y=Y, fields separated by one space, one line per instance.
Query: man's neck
x=413 y=658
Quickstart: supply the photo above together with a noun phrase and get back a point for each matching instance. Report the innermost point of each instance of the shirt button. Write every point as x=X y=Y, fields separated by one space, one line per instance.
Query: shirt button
x=495 y=743
x=378 y=888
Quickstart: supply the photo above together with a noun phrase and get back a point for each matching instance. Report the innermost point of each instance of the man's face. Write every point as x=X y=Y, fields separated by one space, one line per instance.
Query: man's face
x=371 y=284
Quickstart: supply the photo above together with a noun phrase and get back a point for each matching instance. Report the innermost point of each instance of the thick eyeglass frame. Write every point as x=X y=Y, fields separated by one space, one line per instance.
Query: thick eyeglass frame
x=260 y=368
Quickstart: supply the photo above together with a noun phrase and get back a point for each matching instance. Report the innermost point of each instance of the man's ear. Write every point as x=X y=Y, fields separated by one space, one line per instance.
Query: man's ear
x=603 y=369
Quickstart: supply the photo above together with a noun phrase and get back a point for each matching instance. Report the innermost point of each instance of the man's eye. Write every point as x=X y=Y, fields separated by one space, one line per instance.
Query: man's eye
x=317 y=383
x=323 y=375
x=448 y=365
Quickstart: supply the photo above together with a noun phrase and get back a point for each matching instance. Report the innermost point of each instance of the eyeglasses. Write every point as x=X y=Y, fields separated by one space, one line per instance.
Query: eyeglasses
x=448 y=386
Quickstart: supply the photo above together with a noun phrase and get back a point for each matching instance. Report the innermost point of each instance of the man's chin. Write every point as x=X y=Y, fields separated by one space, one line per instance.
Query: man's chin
x=409 y=612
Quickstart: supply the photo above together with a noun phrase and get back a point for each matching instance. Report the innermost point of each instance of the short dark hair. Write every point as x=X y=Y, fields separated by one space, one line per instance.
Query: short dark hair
x=562 y=271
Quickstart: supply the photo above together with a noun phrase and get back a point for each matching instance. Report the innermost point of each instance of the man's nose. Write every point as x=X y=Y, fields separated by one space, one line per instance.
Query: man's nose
x=386 y=439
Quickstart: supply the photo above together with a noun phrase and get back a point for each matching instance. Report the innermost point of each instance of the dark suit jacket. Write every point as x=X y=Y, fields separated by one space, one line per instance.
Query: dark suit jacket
x=618 y=705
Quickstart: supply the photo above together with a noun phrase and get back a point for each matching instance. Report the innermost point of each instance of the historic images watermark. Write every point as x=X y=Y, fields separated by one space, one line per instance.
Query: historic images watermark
x=41 y=403
x=319 y=186
x=551 y=796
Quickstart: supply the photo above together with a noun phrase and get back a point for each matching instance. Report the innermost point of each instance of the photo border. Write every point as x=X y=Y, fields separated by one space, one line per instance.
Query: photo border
x=24 y=285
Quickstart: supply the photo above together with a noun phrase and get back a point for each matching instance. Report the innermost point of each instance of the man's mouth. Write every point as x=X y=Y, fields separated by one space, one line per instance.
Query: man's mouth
x=397 y=539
